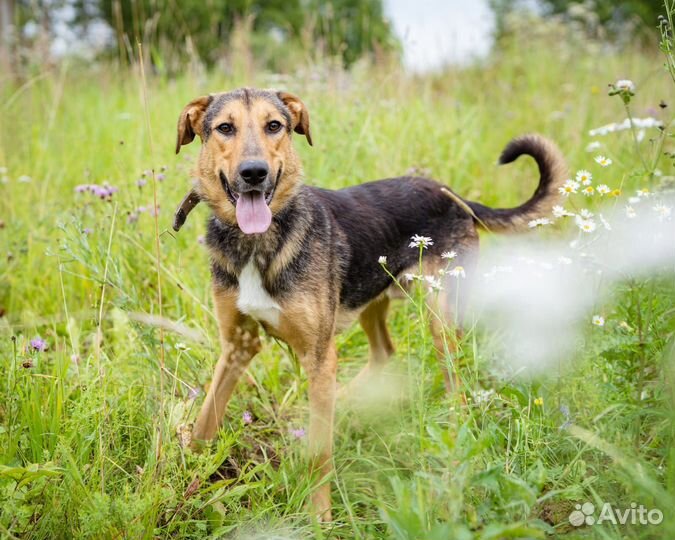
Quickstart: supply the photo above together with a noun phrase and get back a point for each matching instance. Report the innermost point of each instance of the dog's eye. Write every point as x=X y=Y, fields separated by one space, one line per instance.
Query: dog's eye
x=273 y=126
x=225 y=128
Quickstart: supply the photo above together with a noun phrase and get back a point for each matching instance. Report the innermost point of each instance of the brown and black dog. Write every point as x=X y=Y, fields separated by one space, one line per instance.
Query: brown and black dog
x=302 y=262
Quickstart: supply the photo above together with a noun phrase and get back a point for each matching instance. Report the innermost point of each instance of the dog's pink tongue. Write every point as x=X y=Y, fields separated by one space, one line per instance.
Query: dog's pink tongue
x=253 y=214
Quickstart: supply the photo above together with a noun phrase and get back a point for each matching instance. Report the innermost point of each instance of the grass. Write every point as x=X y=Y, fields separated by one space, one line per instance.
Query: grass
x=89 y=442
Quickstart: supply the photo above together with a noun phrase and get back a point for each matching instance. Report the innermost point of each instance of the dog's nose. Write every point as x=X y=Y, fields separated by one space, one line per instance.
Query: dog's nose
x=253 y=172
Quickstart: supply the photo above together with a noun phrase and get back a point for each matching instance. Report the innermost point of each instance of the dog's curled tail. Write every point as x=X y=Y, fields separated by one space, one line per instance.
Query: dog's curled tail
x=553 y=172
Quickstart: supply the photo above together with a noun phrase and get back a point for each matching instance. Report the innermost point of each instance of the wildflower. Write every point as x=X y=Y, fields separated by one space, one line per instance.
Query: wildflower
x=644 y=192
x=160 y=177
x=132 y=217
x=559 y=211
x=180 y=346
x=616 y=193
x=194 y=393
x=540 y=222
x=434 y=283
x=630 y=212
x=75 y=359
x=664 y=212
x=593 y=145
x=539 y=402
x=449 y=254
x=603 y=189
x=598 y=320
x=82 y=188
x=87 y=230
x=421 y=241
x=201 y=239
x=483 y=396
x=584 y=177
x=603 y=161
x=141 y=182
x=409 y=277
x=586 y=213
x=298 y=433
x=569 y=187
x=382 y=259
x=586 y=225
x=640 y=123
x=588 y=191
x=247 y=417
x=457 y=271
x=625 y=85
x=38 y=344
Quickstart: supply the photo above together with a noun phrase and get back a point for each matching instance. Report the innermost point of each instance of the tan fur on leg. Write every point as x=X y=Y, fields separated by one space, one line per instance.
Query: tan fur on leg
x=239 y=344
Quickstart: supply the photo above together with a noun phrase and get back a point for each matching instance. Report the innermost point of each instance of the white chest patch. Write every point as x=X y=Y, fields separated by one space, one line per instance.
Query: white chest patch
x=253 y=299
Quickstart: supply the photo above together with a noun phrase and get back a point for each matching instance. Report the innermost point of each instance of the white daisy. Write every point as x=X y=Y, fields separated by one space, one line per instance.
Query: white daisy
x=603 y=161
x=434 y=283
x=449 y=254
x=569 y=187
x=457 y=271
x=593 y=145
x=586 y=225
x=584 y=177
x=644 y=192
x=625 y=84
x=598 y=320
x=421 y=241
x=559 y=211
x=586 y=213
x=588 y=191
x=603 y=189
x=664 y=212
x=630 y=212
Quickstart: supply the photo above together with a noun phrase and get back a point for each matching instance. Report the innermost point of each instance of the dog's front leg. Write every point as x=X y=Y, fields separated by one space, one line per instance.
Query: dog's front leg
x=239 y=344
x=321 y=365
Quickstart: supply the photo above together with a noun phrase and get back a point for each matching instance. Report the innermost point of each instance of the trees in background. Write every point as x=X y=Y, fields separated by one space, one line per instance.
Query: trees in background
x=611 y=17
x=173 y=31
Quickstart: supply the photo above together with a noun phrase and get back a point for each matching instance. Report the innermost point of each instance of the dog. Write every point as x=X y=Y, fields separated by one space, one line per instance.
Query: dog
x=303 y=262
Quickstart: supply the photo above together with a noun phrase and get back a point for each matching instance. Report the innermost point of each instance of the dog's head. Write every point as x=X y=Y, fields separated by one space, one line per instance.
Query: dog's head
x=247 y=167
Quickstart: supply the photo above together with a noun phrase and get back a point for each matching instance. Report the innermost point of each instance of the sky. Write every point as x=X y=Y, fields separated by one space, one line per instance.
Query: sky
x=435 y=33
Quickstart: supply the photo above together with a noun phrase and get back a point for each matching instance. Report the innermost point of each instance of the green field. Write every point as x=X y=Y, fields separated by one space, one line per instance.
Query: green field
x=90 y=427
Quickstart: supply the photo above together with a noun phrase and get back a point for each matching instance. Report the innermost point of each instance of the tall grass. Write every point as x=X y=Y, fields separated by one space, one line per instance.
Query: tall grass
x=90 y=443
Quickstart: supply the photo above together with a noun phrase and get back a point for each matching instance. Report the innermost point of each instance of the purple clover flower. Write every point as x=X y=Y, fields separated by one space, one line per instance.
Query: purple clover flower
x=160 y=177
x=38 y=344
x=247 y=417
x=298 y=433
x=87 y=230
x=141 y=182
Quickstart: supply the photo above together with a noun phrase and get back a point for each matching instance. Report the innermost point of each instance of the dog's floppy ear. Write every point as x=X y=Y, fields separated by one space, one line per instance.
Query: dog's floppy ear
x=190 y=121
x=299 y=114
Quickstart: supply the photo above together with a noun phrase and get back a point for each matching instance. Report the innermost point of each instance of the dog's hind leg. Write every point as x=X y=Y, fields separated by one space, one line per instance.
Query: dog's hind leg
x=308 y=327
x=239 y=344
x=373 y=320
